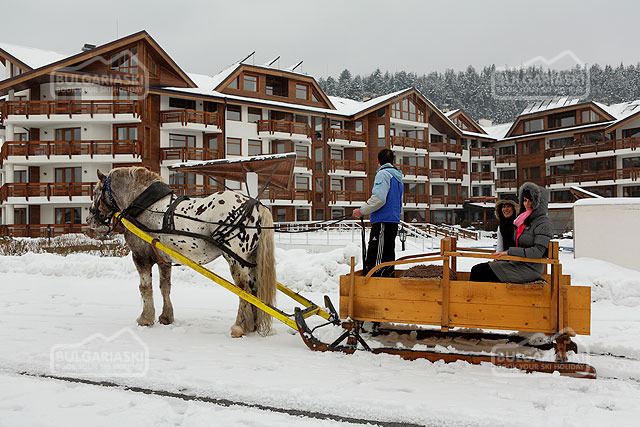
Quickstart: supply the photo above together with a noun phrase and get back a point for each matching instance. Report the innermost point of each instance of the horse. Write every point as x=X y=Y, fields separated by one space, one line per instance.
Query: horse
x=247 y=245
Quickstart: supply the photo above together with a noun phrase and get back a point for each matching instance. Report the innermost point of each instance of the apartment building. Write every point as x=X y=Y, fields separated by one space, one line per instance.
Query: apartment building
x=128 y=103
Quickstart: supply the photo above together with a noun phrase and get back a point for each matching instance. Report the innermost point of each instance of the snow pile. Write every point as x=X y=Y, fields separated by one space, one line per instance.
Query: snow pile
x=608 y=281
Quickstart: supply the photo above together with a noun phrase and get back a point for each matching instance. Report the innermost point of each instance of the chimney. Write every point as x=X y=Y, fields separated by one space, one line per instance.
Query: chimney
x=87 y=47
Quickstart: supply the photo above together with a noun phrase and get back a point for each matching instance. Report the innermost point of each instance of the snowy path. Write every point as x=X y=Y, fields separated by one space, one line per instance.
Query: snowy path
x=47 y=300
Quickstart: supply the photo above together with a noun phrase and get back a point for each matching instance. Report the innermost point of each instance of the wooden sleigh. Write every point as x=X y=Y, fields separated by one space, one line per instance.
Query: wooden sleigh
x=556 y=309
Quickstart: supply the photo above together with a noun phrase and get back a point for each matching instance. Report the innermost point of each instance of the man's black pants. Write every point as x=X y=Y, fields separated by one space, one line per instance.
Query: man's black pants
x=382 y=248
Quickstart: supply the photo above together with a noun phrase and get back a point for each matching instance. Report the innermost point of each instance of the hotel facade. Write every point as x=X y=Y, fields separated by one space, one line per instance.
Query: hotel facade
x=128 y=103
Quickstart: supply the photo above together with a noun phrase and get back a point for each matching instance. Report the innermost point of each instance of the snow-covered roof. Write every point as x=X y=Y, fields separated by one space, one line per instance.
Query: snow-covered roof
x=588 y=193
x=549 y=104
x=452 y=112
x=228 y=160
x=552 y=131
x=33 y=57
x=622 y=110
x=497 y=131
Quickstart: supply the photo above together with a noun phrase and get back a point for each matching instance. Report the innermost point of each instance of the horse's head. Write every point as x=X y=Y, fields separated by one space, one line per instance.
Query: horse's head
x=102 y=205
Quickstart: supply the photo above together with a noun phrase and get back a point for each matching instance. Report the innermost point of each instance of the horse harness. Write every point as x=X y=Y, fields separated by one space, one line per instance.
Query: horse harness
x=220 y=237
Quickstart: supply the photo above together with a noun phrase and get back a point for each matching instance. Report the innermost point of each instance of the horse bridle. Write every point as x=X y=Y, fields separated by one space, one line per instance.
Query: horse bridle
x=106 y=198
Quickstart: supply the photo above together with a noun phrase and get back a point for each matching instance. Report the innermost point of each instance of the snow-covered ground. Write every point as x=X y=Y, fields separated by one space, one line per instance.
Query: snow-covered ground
x=48 y=301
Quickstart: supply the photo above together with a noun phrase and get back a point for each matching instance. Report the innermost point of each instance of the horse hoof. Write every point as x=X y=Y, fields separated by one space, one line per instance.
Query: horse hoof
x=165 y=320
x=237 y=331
x=144 y=322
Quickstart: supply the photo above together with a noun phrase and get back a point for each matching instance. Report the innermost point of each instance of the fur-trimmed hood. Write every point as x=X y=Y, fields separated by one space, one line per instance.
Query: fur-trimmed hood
x=539 y=198
x=507 y=201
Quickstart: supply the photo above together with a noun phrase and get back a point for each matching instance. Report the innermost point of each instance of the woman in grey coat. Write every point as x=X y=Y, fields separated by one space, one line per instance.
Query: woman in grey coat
x=533 y=232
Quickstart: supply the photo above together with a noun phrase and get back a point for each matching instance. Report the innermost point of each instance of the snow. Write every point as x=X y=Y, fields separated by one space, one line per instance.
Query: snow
x=234 y=160
x=588 y=193
x=550 y=104
x=497 y=131
x=33 y=57
x=48 y=300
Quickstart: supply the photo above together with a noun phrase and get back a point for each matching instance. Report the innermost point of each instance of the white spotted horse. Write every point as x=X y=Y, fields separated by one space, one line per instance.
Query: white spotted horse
x=225 y=223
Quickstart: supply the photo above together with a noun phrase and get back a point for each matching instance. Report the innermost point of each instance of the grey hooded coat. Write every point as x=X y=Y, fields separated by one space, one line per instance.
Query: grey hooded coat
x=533 y=242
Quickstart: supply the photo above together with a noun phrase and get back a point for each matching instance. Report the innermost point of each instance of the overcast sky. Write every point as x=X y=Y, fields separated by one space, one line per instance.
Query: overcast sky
x=331 y=35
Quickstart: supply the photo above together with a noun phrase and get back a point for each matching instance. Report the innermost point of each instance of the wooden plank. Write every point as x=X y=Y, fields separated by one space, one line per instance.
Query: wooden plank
x=445 y=246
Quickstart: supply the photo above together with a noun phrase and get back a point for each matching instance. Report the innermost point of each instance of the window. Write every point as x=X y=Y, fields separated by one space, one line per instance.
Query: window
x=255 y=147
x=360 y=185
x=437 y=139
x=302 y=91
x=531 y=147
x=126 y=133
x=560 y=142
x=631 y=162
x=336 y=153
x=407 y=110
x=414 y=188
x=590 y=116
x=561 y=196
x=68 y=94
x=125 y=61
x=177 y=140
x=234 y=83
x=68 y=216
x=279 y=147
x=317 y=128
x=211 y=142
x=336 y=184
x=382 y=112
x=276 y=115
x=358 y=126
x=276 y=86
x=336 y=124
x=20 y=216
x=437 y=190
x=314 y=96
x=318 y=182
x=234 y=112
x=20 y=177
x=633 y=191
x=281 y=214
x=234 y=147
x=299 y=118
x=382 y=138
x=233 y=185
x=319 y=214
x=302 y=151
x=631 y=133
x=337 y=213
x=182 y=104
x=22 y=136
x=250 y=83
x=533 y=125
x=302 y=182
x=318 y=158
x=359 y=156
x=531 y=173
x=152 y=66
x=73 y=174
x=302 y=214
x=182 y=178
x=597 y=165
x=15 y=70
x=125 y=93
x=72 y=134
x=254 y=115
x=562 y=120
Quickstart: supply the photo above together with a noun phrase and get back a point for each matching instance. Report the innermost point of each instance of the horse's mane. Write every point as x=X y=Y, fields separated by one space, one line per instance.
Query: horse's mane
x=138 y=175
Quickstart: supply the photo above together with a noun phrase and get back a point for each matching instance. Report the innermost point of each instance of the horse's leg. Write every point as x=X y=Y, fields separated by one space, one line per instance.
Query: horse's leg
x=146 y=291
x=246 y=318
x=166 y=318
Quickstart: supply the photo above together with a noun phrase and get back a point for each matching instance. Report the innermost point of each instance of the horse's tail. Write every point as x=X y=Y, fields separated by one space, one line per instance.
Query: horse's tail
x=267 y=281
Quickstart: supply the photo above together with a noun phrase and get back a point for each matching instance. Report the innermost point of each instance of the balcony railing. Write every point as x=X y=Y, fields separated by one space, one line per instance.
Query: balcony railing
x=303 y=162
x=414 y=170
x=506 y=183
x=48 y=190
x=445 y=173
x=42 y=230
x=188 y=153
x=291 y=195
x=347 y=196
x=481 y=176
x=347 y=165
x=597 y=176
x=481 y=199
x=193 y=189
x=580 y=148
x=185 y=117
x=344 y=134
x=406 y=142
x=70 y=148
x=445 y=147
x=415 y=198
x=445 y=200
x=71 y=107
x=481 y=152
x=505 y=158
x=291 y=128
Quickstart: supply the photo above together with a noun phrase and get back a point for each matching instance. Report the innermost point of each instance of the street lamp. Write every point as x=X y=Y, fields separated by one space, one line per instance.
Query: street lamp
x=403 y=236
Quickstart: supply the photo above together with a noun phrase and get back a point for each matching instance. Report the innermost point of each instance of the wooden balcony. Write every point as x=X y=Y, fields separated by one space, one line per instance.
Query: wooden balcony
x=506 y=183
x=614 y=175
x=580 y=148
x=414 y=170
x=303 y=162
x=481 y=152
x=345 y=135
x=406 y=142
x=445 y=200
x=481 y=176
x=289 y=195
x=29 y=149
x=42 y=230
x=48 y=190
x=194 y=190
x=185 y=117
x=481 y=199
x=445 y=147
x=415 y=198
x=347 y=165
x=184 y=154
x=445 y=173
x=272 y=126
x=505 y=158
x=71 y=107
x=347 y=196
